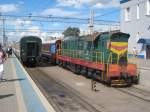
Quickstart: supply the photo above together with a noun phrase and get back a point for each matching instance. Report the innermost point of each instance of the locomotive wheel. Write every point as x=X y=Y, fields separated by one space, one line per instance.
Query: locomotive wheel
x=136 y=80
x=83 y=71
x=72 y=67
x=64 y=64
x=59 y=63
x=90 y=73
x=34 y=63
x=78 y=69
x=108 y=83
x=24 y=63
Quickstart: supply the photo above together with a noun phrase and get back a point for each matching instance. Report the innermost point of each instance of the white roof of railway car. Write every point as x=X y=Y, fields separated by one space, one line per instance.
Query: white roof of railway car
x=51 y=41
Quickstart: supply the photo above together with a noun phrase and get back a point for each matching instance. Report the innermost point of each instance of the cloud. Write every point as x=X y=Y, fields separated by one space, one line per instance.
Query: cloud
x=110 y=4
x=56 y=34
x=91 y=3
x=56 y=24
x=58 y=12
x=70 y=3
x=22 y=22
x=11 y=34
x=19 y=22
x=5 y=8
x=34 y=31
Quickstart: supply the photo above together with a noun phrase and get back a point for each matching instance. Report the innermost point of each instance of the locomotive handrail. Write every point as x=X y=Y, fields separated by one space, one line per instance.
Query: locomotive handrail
x=107 y=64
x=77 y=54
x=101 y=56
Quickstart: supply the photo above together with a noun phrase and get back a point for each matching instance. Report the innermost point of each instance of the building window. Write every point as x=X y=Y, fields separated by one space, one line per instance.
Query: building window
x=137 y=36
x=138 y=12
x=148 y=7
x=127 y=14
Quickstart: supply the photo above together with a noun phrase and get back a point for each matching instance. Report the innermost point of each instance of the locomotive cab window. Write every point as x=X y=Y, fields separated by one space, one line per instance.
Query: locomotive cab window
x=120 y=37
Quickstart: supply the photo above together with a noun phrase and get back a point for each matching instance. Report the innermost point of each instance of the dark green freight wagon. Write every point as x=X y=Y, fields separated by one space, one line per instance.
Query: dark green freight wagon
x=30 y=50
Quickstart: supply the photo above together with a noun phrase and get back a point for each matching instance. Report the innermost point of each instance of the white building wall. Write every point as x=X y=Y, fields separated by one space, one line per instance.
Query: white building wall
x=136 y=26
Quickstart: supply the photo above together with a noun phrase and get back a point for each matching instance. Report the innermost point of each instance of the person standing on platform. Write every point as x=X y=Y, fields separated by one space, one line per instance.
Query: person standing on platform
x=135 y=52
x=2 y=60
x=9 y=51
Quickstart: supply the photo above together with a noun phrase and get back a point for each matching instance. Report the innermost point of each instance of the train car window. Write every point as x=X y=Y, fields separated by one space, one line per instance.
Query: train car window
x=96 y=43
x=85 y=46
x=53 y=48
x=81 y=45
x=47 y=47
x=89 y=45
x=64 y=45
x=58 y=46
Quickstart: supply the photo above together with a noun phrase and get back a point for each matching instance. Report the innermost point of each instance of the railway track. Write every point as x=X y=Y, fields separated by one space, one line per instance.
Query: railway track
x=65 y=99
x=62 y=97
x=135 y=92
x=147 y=69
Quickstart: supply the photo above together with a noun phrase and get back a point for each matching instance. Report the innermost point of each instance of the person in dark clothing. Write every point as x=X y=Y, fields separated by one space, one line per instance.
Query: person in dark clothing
x=9 y=51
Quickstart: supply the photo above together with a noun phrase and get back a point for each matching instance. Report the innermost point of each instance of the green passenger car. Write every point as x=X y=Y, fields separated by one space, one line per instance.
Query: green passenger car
x=30 y=49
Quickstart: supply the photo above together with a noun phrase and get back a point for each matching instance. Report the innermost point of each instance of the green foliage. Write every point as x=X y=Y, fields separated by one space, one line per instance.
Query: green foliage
x=71 y=31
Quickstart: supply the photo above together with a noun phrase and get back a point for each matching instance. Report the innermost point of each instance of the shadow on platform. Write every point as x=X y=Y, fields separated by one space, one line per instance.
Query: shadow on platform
x=5 y=96
x=45 y=64
x=11 y=57
x=12 y=80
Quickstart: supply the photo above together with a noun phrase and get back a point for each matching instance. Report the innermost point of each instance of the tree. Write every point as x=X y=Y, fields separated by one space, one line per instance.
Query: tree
x=71 y=31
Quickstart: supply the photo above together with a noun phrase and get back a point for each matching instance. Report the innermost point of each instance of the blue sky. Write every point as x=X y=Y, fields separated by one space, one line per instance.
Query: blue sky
x=60 y=8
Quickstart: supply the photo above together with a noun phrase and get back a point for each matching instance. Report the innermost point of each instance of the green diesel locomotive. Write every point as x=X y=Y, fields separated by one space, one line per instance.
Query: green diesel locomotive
x=103 y=57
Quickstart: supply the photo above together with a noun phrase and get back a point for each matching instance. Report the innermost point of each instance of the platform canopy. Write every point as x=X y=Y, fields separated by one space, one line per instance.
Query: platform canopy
x=144 y=41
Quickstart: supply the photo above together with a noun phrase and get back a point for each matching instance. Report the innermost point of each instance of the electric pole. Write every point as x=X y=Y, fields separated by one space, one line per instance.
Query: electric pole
x=91 y=22
x=3 y=22
x=4 y=40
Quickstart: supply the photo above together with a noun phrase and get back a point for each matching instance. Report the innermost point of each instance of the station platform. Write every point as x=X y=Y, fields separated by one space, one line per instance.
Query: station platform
x=18 y=92
x=142 y=63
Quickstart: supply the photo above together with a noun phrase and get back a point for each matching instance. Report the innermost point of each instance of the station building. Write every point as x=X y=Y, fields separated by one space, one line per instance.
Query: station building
x=135 y=20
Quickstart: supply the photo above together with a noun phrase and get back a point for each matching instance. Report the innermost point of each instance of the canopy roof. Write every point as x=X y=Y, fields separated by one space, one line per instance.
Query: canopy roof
x=144 y=41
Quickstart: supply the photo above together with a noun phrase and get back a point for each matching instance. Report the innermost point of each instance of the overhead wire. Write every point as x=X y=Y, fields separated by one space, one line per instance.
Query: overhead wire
x=54 y=17
x=108 y=13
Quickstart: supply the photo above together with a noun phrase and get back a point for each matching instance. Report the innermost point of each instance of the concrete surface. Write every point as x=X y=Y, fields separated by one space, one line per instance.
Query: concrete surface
x=11 y=99
x=107 y=99
x=18 y=92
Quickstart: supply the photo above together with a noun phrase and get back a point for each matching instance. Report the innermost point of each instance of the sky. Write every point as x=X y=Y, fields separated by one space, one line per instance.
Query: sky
x=56 y=8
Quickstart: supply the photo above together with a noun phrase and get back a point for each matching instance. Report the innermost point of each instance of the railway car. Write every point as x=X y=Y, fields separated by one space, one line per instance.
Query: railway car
x=49 y=50
x=16 y=49
x=104 y=58
x=30 y=50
